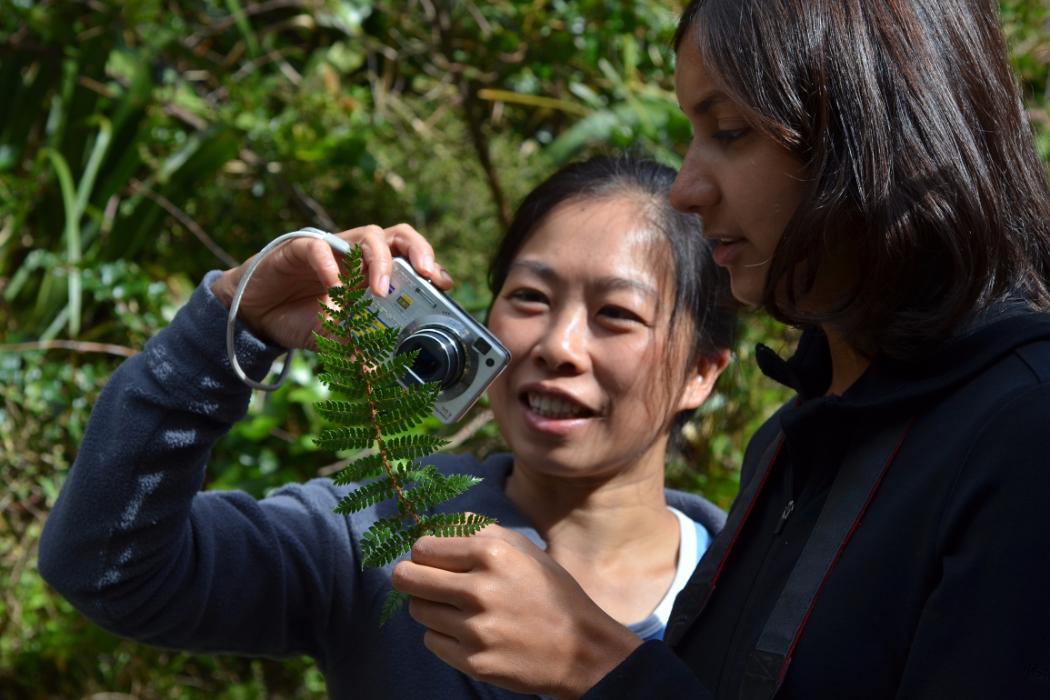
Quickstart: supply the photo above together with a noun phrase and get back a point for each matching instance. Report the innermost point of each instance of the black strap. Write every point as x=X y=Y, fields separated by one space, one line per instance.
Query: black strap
x=697 y=591
x=852 y=491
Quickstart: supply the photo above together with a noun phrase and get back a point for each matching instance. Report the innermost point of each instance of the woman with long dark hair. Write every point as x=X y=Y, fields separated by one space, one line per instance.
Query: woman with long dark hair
x=866 y=173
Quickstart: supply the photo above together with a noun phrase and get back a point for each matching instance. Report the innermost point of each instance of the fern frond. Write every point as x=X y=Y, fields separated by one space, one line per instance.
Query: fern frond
x=337 y=439
x=345 y=412
x=366 y=495
x=334 y=349
x=390 y=370
x=397 y=415
x=372 y=411
x=413 y=446
x=394 y=600
x=362 y=468
x=377 y=343
x=426 y=493
x=336 y=364
x=379 y=548
x=452 y=524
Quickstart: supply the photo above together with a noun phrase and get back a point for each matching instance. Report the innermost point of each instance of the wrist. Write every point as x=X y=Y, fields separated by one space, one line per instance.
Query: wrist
x=606 y=648
x=223 y=288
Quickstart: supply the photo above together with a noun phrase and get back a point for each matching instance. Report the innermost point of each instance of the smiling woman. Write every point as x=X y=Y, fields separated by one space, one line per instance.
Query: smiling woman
x=582 y=312
x=612 y=306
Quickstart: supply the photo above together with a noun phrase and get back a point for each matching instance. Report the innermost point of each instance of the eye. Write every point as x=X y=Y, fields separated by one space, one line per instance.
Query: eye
x=621 y=314
x=525 y=295
x=728 y=136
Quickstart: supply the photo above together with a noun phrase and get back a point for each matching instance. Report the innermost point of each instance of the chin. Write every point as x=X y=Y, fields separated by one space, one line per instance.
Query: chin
x=746 y=294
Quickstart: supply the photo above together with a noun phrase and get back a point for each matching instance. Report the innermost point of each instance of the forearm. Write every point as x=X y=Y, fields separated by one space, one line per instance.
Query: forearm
x=125 y=506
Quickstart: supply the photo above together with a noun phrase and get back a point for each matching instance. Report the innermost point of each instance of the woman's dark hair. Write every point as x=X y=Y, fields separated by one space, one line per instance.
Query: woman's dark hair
x=923 y=177
x=701 y=288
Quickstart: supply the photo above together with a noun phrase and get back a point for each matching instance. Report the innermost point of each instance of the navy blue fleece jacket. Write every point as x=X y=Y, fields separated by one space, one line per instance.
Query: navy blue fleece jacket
x=135 y=545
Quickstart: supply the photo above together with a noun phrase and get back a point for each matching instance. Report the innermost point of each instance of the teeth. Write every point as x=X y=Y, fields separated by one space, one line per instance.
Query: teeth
x=554 y=407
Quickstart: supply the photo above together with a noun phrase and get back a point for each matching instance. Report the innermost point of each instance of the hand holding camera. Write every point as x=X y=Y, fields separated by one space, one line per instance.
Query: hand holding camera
x=282 y=301
x=291 y=278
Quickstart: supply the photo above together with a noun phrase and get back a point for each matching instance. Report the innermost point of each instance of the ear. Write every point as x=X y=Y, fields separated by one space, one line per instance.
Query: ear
x=701 y=380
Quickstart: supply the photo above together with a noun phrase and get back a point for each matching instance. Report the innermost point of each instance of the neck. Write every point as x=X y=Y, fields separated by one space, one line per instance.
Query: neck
x=590 y=516
x=615 y=536
x=847 y=365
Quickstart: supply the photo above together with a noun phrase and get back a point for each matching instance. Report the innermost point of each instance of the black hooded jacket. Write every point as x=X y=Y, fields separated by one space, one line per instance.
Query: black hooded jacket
x=943 y=590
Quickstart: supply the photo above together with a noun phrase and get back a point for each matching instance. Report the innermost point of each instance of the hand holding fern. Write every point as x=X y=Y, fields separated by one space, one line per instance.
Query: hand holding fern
x=281 y=302
x=501 y=610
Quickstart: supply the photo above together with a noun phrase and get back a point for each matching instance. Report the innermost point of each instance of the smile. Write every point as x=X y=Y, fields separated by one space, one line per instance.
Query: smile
x=555 y=407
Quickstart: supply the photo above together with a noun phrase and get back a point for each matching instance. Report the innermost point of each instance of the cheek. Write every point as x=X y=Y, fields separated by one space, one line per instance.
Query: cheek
x=634 y=372
x=655 y=385
x=511 y=329
x=499 y=391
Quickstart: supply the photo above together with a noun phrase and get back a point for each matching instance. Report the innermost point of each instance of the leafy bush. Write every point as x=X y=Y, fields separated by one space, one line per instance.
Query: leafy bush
x=144 y=142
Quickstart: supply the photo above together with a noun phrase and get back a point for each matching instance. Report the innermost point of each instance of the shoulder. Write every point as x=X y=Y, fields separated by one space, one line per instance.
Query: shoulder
x=485 y=497
x=762 y=440
x=494 y=467
x=698 y=509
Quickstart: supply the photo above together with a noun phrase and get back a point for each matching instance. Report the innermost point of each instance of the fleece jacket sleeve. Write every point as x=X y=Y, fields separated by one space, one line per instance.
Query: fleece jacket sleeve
x=134 y=545
x=652 y=671
x=985 y=629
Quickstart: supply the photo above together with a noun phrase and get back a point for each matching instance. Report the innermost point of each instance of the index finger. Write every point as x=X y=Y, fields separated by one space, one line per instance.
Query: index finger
x=455 y=554
x=428 y=583
x=410 y=244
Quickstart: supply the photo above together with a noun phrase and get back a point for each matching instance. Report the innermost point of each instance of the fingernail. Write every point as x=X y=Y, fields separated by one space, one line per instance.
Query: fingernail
x=445 y=276
x=384 y=285
x=427 y=263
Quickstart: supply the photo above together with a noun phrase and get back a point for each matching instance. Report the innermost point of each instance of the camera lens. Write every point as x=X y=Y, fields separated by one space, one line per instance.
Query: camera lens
x=439 y=360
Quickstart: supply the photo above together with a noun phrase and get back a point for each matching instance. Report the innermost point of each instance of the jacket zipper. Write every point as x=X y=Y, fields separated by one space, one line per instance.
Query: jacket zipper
x=784 y=515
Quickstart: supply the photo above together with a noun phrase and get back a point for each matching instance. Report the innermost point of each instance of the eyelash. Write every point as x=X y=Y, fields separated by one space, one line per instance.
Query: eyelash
x=730 y=135
x=621 y=314
x=527 y=295
x=616 y=313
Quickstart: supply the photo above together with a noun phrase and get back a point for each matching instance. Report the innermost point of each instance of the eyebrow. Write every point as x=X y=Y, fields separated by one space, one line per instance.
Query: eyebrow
x=607 y=284
x=705 y=105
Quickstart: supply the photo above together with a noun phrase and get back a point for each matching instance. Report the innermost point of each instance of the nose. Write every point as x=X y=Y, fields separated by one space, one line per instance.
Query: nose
x=695 y=189
x=563 y=348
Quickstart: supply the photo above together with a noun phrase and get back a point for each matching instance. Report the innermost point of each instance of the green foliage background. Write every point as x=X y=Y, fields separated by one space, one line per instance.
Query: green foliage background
x=144 y=142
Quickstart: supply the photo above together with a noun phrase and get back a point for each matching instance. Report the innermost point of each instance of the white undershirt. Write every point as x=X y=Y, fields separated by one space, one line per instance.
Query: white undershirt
x=693 y=540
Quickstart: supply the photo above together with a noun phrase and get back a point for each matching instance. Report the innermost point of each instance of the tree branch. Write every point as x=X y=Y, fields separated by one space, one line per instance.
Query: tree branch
x=187 y=222
x=74 y=345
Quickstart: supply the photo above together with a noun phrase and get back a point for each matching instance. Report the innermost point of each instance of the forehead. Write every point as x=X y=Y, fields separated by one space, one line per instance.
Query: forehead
x=694 y=80
x=586 y=235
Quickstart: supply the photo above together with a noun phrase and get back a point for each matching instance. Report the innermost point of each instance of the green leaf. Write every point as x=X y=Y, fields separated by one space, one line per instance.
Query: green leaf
x=431 y=491
x=337 y=439
x=395 y=600
x=367 y=467
x=72 y=233
x=413 y=446
x=453 y=524
x=366 y=495
x=382 y=545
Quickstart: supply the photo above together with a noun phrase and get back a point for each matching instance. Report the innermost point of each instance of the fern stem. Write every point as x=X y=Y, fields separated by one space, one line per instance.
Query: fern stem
x=381 y=448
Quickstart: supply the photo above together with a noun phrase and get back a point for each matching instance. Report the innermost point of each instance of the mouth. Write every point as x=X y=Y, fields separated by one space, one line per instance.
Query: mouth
x=555 y=406
x=726 y=249
x=724 y=240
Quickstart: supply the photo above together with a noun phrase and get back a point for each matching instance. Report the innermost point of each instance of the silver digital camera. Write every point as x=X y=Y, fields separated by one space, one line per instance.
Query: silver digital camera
x=455 y=351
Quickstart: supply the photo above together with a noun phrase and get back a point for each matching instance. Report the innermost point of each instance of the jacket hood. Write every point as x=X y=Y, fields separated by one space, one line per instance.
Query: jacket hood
x=891 y=383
